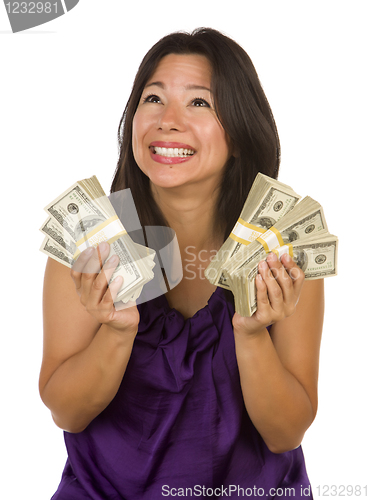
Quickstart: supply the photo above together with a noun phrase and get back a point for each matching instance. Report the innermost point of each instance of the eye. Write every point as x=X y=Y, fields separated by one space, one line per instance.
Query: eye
x=200 y=102
x=152 y=98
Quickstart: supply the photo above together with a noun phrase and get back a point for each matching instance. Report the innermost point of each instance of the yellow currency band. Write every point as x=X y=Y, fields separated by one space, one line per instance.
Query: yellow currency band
x=252 y=232
x=282 y=250
x=271 y=239
x=89 y=237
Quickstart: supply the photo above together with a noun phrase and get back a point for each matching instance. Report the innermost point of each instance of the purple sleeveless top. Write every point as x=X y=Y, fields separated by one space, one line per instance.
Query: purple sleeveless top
x=178 y=425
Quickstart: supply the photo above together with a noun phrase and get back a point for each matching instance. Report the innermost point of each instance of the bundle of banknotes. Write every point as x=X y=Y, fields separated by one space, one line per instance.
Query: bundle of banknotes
x=83 y=216
x=273 y=219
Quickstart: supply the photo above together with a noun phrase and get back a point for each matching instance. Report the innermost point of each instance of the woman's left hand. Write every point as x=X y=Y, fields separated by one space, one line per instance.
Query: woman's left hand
x=278 y=285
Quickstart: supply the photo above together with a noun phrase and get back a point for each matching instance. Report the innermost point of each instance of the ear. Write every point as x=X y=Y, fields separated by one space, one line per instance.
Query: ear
x=235 y=153
x=234 y=150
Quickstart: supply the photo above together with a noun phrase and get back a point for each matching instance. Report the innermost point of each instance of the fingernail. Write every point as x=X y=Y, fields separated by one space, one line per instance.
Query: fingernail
x=103 y=246
x=89 y=251
x=113 y=260
x=272 y=257
x=263 y=264
x=287 y=257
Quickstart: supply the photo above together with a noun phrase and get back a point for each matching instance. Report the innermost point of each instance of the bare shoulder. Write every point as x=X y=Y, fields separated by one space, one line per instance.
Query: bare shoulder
x=68 y=328
x=297 y=338
x=309 y=312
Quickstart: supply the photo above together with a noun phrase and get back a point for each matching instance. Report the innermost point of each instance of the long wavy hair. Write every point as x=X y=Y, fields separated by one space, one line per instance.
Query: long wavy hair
x=241 y=107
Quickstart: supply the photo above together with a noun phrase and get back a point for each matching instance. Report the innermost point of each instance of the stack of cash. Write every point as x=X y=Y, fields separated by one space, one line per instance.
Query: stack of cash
x=273 y=220
x=83 y=216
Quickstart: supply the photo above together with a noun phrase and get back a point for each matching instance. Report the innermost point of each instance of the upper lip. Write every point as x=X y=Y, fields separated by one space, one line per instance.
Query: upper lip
x=165 y=144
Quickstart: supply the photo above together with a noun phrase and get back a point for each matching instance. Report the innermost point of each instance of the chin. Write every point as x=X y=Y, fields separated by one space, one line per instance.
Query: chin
x=168 y=179
x=166 y=184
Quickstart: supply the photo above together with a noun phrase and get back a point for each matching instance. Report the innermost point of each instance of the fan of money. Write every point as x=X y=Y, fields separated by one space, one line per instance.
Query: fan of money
x=273 y=219
x=83 y=216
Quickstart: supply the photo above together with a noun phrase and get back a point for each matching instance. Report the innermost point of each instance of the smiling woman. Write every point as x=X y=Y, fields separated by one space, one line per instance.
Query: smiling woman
x=181 y=392
x=172 y=117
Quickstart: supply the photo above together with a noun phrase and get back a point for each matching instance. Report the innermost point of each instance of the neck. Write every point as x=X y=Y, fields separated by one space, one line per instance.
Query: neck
x=191 y=214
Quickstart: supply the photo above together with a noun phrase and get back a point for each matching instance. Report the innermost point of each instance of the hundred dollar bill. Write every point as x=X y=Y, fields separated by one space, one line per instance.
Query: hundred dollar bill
x=53 y=229
x=268 y=201
x=57 y=252
x=316 y=256
x=51 y=248
x=83 y=216
x=127 y=269
x=76 y=212
x=306 y=218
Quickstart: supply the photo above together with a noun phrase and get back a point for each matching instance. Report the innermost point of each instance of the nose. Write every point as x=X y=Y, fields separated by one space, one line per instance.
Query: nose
x=171 y=118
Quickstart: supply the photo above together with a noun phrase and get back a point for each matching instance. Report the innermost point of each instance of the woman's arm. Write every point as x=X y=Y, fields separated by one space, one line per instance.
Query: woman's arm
x=279 y=371
x=87 y=343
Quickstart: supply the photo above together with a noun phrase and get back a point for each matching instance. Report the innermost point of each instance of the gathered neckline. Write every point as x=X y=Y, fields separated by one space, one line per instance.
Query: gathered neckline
x=173 y=310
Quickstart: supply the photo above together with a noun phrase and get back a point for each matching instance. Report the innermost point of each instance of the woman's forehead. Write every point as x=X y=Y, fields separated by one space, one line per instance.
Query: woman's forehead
x=191 y=71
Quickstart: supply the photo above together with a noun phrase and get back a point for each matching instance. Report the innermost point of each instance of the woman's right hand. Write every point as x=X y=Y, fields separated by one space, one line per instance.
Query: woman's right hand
x=91 y=278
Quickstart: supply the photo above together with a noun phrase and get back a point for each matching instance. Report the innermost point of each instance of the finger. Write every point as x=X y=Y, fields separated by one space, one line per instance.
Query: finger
x=112 y=291
x=79 y=264
x=263 y=302
x=294 y=271
x=97 y=259
x=90 y=271
x=100 y=283
x=282 y=277
x=274 y=291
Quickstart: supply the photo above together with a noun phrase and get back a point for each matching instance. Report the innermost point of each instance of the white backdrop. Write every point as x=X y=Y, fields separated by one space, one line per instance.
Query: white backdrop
x=63 y=89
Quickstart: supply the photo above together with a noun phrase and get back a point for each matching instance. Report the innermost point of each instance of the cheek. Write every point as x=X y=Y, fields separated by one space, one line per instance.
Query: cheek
x=136 y=135
x=225 y=143
x=219 y=144
x=213 y=134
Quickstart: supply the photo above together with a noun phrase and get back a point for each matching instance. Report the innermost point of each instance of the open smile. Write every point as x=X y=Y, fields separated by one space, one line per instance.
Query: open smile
x=170 y=153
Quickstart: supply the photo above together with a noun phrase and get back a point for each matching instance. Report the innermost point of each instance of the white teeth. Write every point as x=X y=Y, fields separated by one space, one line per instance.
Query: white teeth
x=173 y=152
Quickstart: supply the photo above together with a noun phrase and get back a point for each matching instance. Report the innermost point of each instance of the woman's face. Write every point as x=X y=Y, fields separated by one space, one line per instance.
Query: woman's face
x=177 y=138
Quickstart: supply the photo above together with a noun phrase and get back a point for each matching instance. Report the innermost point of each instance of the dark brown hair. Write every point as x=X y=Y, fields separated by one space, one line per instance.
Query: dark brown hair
x=241 y=107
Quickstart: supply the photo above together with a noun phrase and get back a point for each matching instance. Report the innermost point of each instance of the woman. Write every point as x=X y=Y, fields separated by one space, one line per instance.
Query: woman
x=180 y=396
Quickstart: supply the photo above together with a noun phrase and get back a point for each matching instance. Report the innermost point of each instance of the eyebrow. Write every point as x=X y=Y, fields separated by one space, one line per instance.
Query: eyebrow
x=190 y=86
